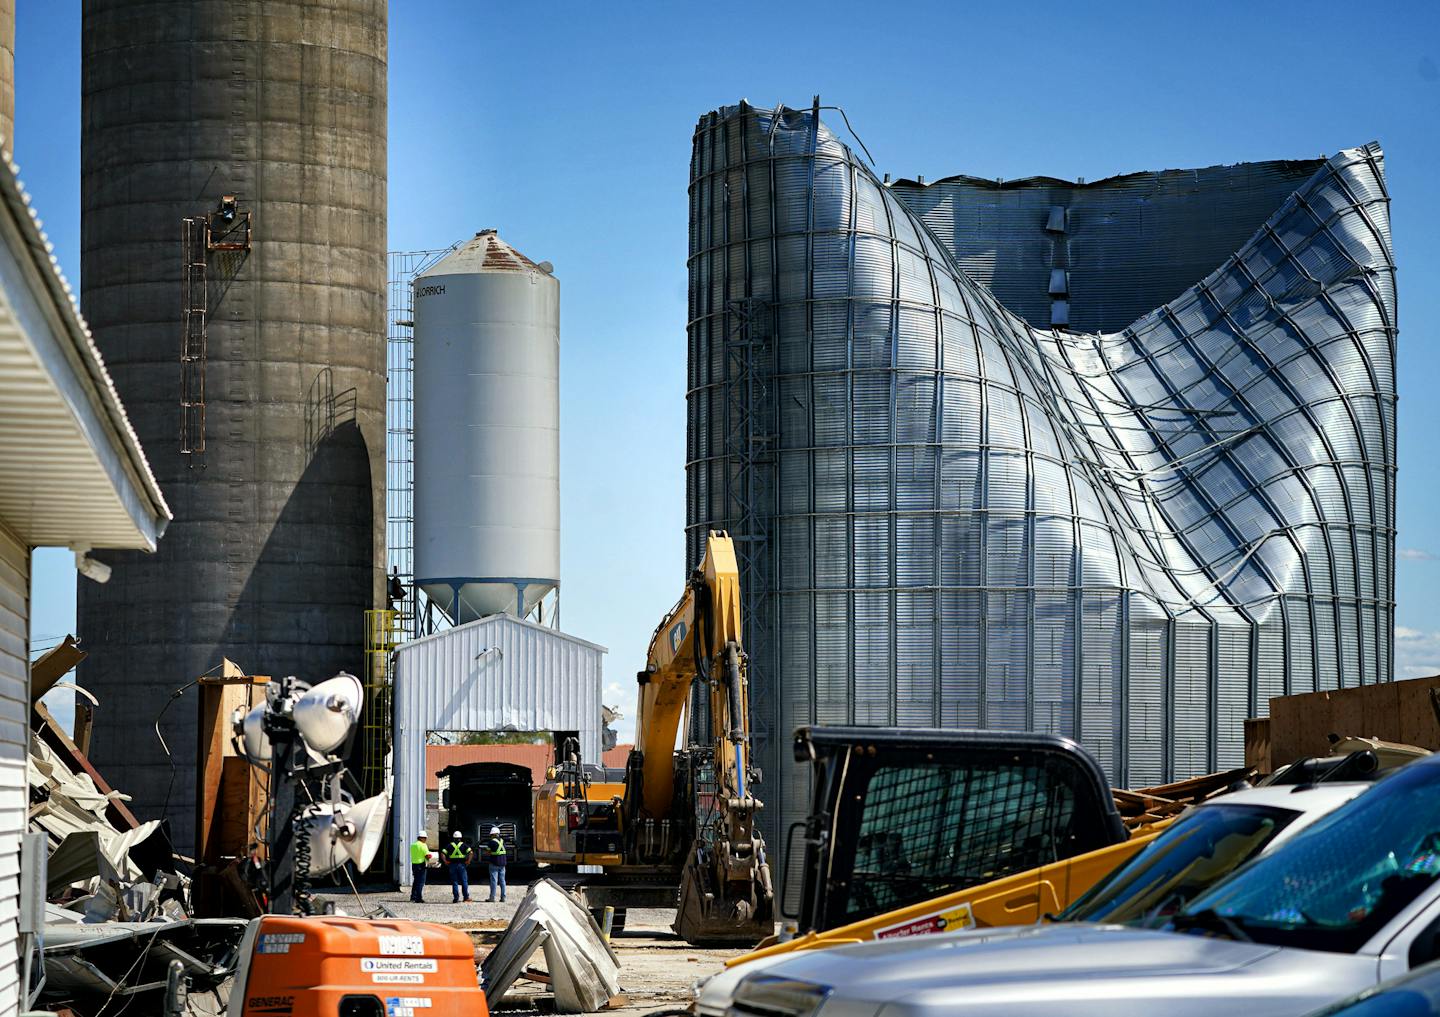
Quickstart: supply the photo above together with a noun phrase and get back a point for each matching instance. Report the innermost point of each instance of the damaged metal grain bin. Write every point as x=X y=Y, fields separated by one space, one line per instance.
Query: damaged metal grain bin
x=950 y=516
x=264 y=125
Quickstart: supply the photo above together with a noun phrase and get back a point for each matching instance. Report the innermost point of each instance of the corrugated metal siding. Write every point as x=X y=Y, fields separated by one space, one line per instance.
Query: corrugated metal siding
x=540 y=680
x=14 y=708
x=947 y=514
x=1130 y=243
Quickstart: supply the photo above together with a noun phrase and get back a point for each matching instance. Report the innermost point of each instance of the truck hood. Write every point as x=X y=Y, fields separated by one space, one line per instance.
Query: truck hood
x=1084 y=968
x=713 y=995
x=1048 y=952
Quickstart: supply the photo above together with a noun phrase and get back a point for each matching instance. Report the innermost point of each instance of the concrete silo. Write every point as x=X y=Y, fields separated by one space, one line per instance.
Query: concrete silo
x=487 y=431
x=264 y=125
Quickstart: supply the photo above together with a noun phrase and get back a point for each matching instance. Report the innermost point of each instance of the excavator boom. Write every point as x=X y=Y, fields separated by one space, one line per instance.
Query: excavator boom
x=684 y=815
x=725 y=890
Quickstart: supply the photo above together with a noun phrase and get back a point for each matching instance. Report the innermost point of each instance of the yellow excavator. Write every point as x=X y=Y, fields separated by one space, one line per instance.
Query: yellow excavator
x=681 y=818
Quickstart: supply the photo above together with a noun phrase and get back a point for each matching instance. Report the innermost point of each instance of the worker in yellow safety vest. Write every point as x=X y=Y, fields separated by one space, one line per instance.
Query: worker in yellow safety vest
x=457 y=855
x=419 y=855
x=495 y=855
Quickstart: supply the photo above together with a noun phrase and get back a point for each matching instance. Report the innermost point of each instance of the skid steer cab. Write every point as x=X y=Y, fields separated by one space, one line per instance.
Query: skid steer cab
x=351 y=967
x=904 y=815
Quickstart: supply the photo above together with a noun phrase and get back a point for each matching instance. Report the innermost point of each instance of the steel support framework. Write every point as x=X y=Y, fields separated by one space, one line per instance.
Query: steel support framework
x=416 y=618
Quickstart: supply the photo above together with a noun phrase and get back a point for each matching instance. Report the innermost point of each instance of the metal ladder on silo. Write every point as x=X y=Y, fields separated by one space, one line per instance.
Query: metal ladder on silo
x=194 y=312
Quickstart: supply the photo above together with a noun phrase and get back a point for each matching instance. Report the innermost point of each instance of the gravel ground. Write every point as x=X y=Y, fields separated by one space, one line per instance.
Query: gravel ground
x=657 y=968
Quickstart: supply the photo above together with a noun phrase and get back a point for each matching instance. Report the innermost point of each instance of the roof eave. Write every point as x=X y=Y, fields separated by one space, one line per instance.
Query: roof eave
x=48 y=318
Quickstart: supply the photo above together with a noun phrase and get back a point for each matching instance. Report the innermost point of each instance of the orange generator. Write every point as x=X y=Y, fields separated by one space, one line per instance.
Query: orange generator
x=351 y=967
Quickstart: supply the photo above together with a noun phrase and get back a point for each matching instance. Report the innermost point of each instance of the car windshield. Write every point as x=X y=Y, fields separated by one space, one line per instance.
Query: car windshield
x=1340 y=881
x=1207 y=844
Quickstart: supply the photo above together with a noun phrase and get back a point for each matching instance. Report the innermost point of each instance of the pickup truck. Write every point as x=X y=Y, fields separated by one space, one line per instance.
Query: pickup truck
x=1348 y=901
x=1205 y=845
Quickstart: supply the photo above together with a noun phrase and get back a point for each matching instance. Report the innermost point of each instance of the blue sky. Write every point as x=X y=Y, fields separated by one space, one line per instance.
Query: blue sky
x=567 y=126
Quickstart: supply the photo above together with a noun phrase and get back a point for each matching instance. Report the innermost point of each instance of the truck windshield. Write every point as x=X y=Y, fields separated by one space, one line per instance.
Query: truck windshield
x=1200 y=849
x=1337 y=883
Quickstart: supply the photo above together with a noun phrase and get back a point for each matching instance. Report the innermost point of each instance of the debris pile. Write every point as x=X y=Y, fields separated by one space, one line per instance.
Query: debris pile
x=89 y=965
x=1144 y=806
x=103 y=870
x=116 y=910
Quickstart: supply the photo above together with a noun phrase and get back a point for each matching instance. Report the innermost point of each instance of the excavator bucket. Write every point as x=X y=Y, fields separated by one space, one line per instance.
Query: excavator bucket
x=725 y=891
x=713 y=912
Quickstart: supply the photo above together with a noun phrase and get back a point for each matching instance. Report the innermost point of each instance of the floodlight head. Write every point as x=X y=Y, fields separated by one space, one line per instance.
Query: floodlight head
x=350 y=831
x=364 y=829
x=322 y=840
x=327 y=713
x=254 y=742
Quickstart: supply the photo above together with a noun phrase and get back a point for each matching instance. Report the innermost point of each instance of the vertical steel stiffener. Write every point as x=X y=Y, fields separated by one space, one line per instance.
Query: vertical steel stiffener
x=964 y=520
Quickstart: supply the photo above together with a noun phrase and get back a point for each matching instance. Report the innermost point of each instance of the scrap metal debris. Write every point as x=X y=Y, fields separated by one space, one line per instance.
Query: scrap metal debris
x=116 y=909
x=120 y=959
x=94 y=865
x=582 y=970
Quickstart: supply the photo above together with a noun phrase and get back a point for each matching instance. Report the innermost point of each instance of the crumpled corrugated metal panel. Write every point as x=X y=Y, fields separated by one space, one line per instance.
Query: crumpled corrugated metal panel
x=129 y=959
x=74 y=805
x=958 y=518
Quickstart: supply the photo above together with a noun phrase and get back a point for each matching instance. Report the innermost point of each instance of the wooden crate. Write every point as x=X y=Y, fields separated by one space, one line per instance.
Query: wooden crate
x=1301 y=725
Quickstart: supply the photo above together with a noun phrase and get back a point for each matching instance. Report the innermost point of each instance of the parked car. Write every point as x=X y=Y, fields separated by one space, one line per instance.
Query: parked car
x=1206 y=844
x=1346 y=902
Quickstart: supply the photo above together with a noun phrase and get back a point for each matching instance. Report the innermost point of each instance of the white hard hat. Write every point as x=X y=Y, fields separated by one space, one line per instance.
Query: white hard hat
x=494 y=831
x=422 y=835
x=456 y=835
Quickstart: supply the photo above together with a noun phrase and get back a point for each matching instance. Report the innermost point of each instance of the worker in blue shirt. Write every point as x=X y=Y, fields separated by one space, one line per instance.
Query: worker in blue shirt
x=495 y=856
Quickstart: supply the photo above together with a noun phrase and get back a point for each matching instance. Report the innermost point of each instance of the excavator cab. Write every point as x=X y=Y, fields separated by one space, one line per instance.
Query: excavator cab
x=905 y=815
x=577 y=816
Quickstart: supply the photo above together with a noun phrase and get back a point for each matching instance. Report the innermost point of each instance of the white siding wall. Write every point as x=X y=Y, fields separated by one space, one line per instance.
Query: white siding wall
x=14 y=708
x=495 y=674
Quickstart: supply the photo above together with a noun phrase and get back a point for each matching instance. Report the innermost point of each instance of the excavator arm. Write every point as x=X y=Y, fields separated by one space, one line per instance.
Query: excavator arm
x=700 y=636
x=725 y=891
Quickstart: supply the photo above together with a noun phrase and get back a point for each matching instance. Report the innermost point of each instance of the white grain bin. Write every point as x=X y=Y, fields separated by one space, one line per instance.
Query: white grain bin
x=487 y=431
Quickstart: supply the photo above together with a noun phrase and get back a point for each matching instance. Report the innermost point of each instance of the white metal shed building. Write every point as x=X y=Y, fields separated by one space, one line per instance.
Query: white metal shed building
x=72 y=474
x=499 y=673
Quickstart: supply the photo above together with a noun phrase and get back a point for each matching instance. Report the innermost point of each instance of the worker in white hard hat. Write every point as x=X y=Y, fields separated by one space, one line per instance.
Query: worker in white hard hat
x=419 y=855
x=457 y=856
x=494 y=849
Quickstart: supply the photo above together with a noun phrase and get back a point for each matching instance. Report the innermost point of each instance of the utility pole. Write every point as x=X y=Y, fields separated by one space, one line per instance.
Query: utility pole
x=284 y=739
